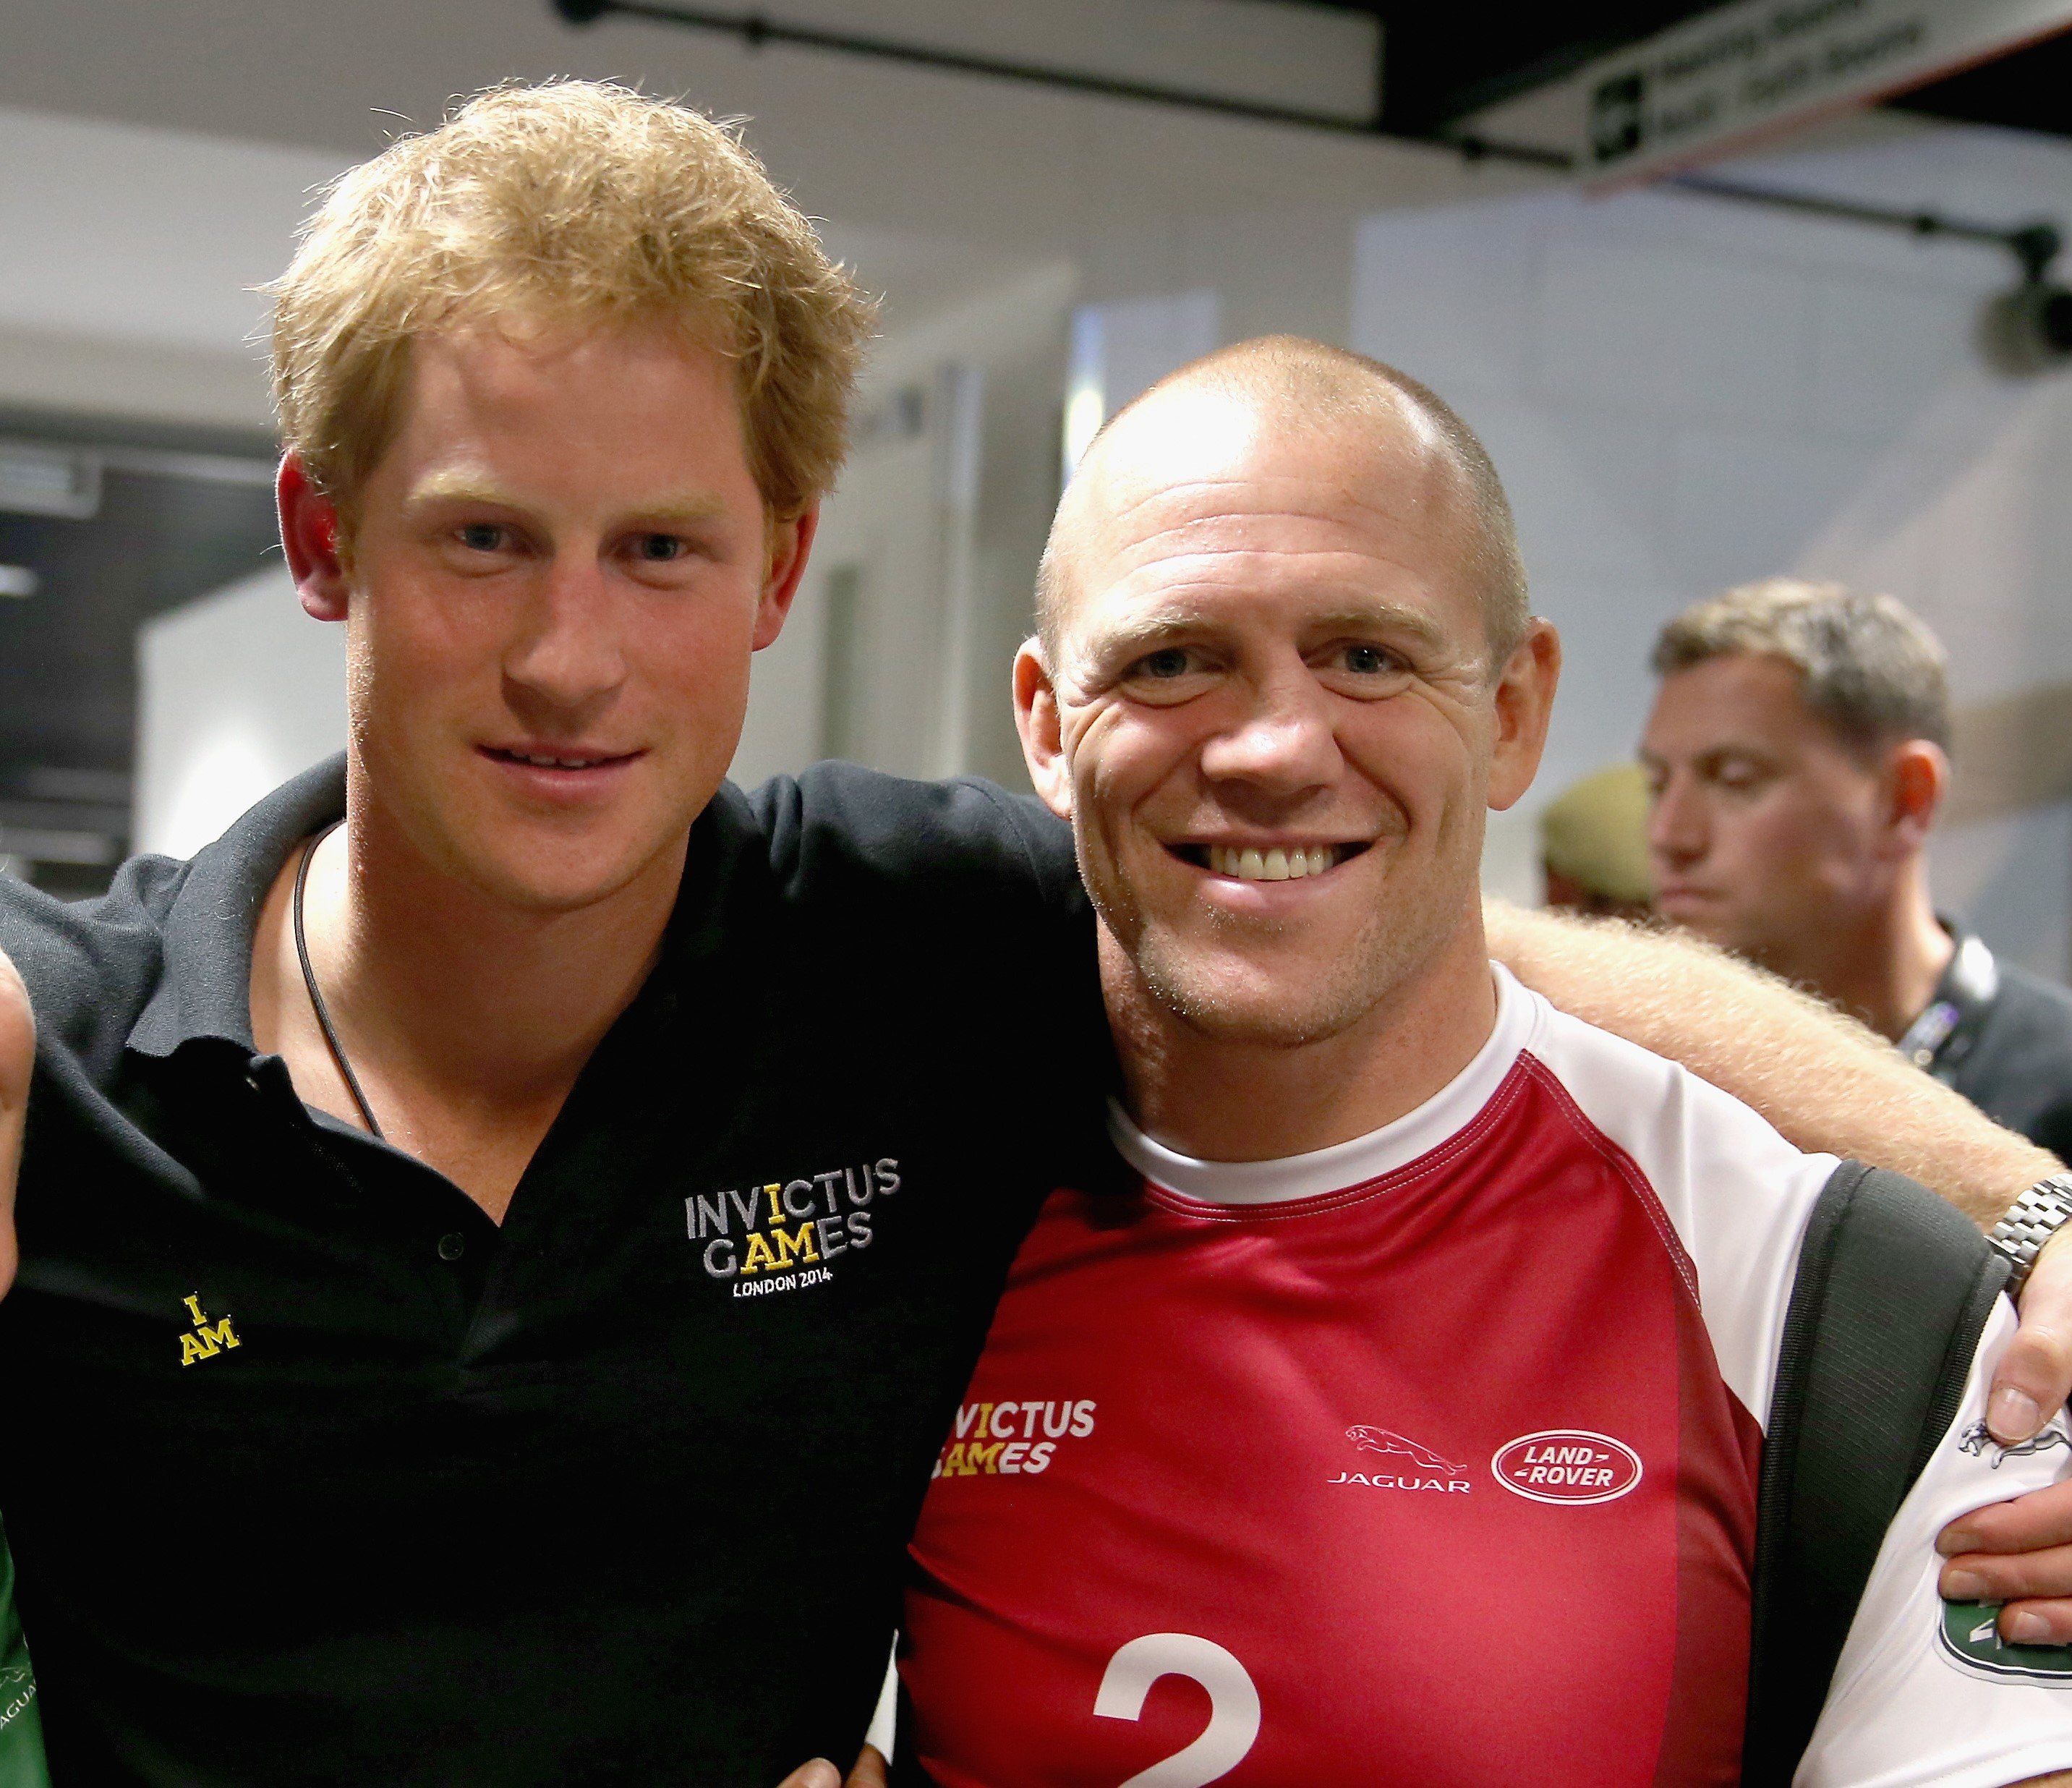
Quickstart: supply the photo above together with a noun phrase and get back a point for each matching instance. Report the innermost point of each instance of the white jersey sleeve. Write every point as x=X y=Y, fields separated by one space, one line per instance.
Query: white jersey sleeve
x=1738 y=1195
x=1924 y=1693
x=885 y=1720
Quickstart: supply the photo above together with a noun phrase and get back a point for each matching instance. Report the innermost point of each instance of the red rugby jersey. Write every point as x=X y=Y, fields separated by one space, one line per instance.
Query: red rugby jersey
x=1430 y=1458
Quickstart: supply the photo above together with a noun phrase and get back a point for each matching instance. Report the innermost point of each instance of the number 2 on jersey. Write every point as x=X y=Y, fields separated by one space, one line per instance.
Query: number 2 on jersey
x=1233 y=1705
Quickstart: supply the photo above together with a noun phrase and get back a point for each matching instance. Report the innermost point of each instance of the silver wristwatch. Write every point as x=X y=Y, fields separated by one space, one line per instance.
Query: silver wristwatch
x=2037 y=1215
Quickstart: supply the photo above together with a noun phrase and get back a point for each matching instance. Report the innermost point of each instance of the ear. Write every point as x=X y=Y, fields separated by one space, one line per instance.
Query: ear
x=1037 y=721
x=310 y=540
x=1524 y=704
x=1917 y=776
x=790 y=544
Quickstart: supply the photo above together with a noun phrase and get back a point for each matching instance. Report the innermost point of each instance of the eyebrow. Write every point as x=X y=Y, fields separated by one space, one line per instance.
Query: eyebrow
x=1139 y=637
x=451 y=486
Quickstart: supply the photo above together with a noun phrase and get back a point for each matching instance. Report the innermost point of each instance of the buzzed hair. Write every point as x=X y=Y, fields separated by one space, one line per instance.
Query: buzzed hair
x=1333 y=386
x=1867 y=664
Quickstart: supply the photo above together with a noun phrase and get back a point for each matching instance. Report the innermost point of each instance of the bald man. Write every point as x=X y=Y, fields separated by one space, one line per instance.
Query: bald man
x=1416 y=1311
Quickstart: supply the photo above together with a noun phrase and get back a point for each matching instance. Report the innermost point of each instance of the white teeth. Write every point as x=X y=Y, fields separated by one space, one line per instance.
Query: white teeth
x=1277 y=864
x=555 y=763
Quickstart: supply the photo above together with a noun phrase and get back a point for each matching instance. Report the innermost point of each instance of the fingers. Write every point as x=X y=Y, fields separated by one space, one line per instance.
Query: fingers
x=2018 y=1553
x=869 y=1770
x=1999 y=1577
x=18 y=1055
x=2034 y=1376
x=2023 y=1527
x=18 y=1039
x=819 y=1773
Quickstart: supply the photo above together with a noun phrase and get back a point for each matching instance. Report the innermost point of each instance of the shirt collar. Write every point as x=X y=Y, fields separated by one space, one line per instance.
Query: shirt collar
x=1344 y=1165
x=205 y=980
x=205 y=975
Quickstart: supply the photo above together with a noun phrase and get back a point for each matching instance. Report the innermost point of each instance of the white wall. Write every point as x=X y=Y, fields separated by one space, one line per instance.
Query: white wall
x=1682 y=394
x=239 y=691
x=942 y=547
x=129 y=285
x=1122 y=349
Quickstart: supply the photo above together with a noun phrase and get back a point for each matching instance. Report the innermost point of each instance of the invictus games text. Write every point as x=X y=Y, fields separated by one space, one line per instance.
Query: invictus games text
x=783 y=1224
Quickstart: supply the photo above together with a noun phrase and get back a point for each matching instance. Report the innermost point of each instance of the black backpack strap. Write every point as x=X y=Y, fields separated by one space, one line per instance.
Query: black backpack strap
x=1893 y=1290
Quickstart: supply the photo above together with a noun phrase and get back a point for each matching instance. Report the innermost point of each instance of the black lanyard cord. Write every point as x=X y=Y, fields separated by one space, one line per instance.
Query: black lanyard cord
x=316 y=995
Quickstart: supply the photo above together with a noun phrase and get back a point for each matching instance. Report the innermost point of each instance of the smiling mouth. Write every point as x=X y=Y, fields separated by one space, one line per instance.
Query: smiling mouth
x=1268 y=863
x=541 y=760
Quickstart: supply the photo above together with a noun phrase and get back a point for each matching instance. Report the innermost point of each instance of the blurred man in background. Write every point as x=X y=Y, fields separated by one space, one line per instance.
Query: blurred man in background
x=1799 y=752
x=1593 y=846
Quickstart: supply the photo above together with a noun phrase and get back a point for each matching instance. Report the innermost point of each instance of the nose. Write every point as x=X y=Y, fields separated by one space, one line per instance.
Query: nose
x=1283 y=743
x=1678 y=833
x=567 y=656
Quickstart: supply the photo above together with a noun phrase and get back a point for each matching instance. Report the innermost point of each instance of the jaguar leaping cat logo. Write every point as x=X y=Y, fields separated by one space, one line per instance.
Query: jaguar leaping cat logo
x=1974 y=1439
x=1387 y=1441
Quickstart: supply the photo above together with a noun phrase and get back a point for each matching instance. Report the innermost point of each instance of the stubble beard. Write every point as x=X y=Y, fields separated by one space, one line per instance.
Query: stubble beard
x=1190 y=984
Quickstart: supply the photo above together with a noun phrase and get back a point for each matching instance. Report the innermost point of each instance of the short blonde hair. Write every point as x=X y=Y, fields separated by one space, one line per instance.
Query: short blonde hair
x=576 y=203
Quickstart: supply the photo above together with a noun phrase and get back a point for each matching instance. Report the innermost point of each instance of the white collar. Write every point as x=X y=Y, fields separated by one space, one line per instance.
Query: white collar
x=1345 y=1163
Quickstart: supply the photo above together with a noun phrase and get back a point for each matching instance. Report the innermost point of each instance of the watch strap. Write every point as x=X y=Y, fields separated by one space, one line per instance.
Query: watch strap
x=2035 y=1217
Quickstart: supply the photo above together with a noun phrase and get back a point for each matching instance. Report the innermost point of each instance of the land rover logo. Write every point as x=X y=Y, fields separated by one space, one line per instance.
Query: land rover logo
x=1567 y=1465
x=1972 y=1638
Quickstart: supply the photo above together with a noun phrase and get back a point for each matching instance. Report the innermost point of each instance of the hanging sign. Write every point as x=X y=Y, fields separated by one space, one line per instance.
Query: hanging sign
x=1714 y=84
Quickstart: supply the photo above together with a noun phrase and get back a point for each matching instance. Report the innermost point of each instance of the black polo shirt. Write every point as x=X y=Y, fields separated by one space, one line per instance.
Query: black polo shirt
x=315 y=1475
x=2003 y=1037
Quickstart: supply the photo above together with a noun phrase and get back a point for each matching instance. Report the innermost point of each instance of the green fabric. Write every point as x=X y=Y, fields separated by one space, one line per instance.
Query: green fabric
x=21 y=1726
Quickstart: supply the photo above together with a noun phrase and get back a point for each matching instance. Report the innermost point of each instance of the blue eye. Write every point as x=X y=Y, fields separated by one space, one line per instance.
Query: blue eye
x=1170 y=662
x=661 y=548
x=1367 y=661
x=481 y=536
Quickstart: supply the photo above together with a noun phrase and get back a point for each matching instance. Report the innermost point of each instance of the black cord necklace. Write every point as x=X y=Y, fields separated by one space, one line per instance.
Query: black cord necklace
x=316 y=995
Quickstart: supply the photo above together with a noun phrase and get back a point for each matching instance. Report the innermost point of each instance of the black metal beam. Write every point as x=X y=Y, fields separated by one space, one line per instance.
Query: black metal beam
x=2034 y=245
x=756 y=31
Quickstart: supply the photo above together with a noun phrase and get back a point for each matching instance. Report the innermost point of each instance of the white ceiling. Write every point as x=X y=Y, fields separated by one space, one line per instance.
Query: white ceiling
x=155 y=154
x=908 y=152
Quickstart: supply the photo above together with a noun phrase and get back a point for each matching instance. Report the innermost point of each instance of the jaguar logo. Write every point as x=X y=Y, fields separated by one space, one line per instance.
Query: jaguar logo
x=1387 y=1442
x=1975 y=1440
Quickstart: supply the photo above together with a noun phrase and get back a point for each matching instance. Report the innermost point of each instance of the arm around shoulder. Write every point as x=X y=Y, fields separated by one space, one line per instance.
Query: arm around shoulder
x=1827 y=1083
